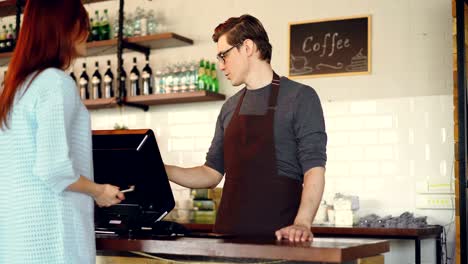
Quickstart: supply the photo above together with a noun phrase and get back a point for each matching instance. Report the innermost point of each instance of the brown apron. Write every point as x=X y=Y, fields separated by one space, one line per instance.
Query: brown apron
x=255 y=201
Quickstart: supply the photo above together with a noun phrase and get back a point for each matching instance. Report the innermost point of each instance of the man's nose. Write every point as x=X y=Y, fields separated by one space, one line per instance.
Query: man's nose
x=221 y=66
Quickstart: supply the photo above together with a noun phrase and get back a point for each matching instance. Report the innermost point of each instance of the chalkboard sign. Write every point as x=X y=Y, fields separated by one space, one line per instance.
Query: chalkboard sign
x=329 y=48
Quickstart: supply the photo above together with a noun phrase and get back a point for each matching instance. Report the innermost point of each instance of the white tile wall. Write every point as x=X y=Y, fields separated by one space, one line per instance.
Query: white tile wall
x=378 y=148
x=362 y=159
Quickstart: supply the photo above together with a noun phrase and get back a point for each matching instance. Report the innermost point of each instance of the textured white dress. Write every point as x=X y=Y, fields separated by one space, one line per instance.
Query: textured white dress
x=47 y=147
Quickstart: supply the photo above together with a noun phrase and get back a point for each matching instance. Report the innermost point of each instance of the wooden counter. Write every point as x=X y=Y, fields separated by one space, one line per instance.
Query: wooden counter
x=415 y=234
x=330 y=250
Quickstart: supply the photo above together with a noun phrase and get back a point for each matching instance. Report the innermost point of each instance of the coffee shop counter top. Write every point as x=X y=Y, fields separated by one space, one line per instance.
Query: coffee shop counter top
x=329 y=250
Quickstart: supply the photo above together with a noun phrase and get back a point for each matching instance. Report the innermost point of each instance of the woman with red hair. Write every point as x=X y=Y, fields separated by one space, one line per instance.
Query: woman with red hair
x=46 y=172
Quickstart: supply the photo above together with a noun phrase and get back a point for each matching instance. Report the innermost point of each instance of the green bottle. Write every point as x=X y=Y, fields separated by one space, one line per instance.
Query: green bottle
x=90 y=30
x=95 y=27
x=201 y=84
x=214 y=78
x=208 y=79
x=105 y=26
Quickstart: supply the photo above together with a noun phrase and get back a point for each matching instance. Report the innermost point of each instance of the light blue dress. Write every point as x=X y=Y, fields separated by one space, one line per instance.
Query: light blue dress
x=47 y=148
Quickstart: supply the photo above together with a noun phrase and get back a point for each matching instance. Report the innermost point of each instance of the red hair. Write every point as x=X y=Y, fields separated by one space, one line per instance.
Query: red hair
x=47 y=39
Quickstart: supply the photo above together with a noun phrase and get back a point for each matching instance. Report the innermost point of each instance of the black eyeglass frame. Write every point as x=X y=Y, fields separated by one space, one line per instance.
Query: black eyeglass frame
x=222 y=55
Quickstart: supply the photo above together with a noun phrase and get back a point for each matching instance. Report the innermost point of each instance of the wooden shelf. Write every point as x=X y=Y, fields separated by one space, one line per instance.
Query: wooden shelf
x=5 y=57
x=158 y=99
x=171 y=98
x=157 y=41
x=8 y=7
x=100 y=103
x=106 y=47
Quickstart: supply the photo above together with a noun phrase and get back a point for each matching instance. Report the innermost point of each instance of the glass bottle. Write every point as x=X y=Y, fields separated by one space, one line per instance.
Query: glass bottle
x=176 y=78
x=8 y=41
x=214 y=78
x=135 y=79
x=208 y=80
x=115 y=27
x=167 y=77
x=193 y=76
x=123 y=81
x=90 y=30
x=95 y=27
x=152 y=25
x=105 y=26
x=147 y=79
x=137 y=22
x=184 y=78
x=108 y=82
x=158 y=82
x=3 y=33
x=201 y=85
x=96 y=81
x=72 y=74
x=12 y=31
x=128 y=30
x=84 y=83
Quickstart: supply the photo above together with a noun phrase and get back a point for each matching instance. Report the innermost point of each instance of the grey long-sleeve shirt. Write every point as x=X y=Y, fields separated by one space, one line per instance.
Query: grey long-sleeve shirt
x=299 y=128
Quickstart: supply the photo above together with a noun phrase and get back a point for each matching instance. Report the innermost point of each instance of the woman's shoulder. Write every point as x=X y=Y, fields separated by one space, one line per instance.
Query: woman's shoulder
x=53 y=74
x=50 y=80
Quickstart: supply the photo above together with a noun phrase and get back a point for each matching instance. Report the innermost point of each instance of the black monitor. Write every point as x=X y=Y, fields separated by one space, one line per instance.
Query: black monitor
x=127 y=158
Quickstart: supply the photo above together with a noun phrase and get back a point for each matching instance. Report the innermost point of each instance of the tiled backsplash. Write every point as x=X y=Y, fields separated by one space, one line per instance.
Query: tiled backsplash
x=380 y=149
x=377 y=148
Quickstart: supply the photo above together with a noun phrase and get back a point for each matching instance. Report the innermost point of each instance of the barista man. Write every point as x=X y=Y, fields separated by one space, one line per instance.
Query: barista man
x=270 y=143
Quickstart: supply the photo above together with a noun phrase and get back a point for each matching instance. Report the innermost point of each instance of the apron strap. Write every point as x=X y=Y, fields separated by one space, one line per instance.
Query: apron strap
x=275 y=83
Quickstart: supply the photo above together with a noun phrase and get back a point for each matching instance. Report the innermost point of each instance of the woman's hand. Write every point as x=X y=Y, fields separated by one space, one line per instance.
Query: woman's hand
x=108 y=195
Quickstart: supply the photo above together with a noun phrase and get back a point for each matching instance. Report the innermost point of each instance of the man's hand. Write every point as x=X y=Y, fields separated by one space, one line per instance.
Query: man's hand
x=314 y=183
x=296 y=233
x=108 y=195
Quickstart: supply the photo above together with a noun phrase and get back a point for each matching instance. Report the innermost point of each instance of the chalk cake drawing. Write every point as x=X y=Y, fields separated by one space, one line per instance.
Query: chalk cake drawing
x=358 y=63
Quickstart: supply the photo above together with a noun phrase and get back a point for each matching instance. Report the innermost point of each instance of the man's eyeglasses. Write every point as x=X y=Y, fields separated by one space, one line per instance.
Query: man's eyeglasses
x=222 y=55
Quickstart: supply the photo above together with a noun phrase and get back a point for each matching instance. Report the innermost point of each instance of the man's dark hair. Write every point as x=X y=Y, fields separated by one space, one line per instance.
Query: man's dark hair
x=238 y=29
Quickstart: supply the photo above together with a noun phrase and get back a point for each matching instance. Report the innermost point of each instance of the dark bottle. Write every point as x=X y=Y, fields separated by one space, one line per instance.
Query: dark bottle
x=134 y=79
x=96 y=82
x=84 y=83
x=108 y=82
x=147 y=79
x=123 y=81
x=9 y=41
x=72 y=75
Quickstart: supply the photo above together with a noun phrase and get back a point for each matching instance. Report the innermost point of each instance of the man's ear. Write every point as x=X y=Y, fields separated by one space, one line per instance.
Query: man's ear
x=250 y=47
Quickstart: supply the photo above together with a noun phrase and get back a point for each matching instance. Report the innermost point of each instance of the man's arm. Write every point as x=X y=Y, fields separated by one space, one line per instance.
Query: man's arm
x=314 y=184
x=208 y=175
x=196 y=177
